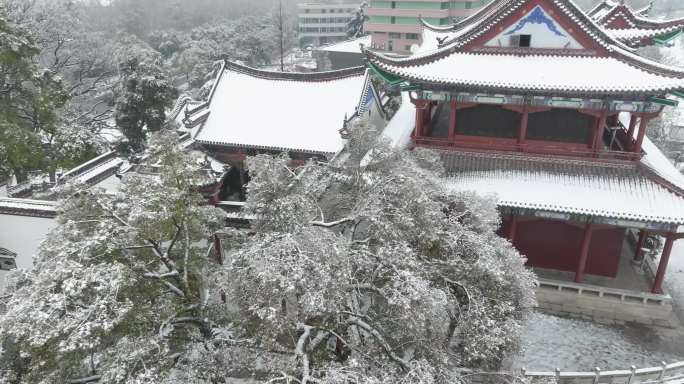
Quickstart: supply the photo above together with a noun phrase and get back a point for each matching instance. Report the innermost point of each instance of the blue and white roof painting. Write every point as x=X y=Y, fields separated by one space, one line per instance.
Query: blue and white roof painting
x=546 y=32
x=537 y=16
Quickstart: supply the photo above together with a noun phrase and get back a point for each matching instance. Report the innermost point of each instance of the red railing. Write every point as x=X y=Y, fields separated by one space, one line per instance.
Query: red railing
x=530 y=146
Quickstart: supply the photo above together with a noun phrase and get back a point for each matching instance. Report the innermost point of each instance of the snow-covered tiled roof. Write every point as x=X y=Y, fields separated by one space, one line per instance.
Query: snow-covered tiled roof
x=537 y=72
x=613 y=191
x=348 y=46
x=450 y=56
x=631 y=25
x=281 y=111
x=26 y=207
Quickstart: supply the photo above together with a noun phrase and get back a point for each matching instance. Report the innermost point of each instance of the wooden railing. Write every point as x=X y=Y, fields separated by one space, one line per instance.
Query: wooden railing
x=597 y=291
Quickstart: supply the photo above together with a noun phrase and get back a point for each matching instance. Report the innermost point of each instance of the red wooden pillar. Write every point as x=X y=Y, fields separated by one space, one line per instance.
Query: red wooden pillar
x=452 y=121
x=522 y=132
x=642 y=132
x=420 y=118
x=640 y=244
x=598 y=133
x=513 y=228
x=584 y=255
x=632 y=126
x=662 y=266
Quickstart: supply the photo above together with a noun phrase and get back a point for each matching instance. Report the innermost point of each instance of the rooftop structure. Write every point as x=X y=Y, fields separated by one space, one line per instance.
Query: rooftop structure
x=252 y=111
x=395 y=25
x=322 y=23
x=347 y=53
x=633 y=26
x=543 y=107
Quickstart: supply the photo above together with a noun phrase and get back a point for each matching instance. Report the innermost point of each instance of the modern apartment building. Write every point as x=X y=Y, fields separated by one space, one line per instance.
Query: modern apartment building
x=395 y=26
x=322 y=23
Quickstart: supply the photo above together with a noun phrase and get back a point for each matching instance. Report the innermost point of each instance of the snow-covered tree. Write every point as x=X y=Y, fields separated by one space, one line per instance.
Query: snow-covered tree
x=29 y=97
x=117 y=290
x=355 y=26
x=363 y=270
x=368 y=270
x=143 y=94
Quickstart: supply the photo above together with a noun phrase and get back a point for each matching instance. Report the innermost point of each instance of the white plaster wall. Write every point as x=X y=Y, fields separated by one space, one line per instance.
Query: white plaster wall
x=23 y=235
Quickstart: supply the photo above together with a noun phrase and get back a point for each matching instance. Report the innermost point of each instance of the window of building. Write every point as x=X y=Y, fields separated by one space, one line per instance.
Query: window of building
x=561 y=125
x=394 y=35
x=393 y=20
x=488 y=121
x=394 y=4
x=390 y=46
x=412 y=36
x=306 y=11
x=324 y=11
x=524 y=41
x=407 y=48
x=468 y=5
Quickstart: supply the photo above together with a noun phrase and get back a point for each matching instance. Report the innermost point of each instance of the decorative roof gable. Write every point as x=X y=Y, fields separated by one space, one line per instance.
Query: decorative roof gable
x=573 y=55
x=543 y=31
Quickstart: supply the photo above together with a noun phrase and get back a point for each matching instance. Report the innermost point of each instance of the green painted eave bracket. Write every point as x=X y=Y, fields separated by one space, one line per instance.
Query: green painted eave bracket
x=661 y=101
x=668 y=37
x=679 y=93
x=387 y=77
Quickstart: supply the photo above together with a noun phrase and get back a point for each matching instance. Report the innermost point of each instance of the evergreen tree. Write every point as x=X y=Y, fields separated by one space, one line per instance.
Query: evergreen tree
x=143 y=95
x=29 y=98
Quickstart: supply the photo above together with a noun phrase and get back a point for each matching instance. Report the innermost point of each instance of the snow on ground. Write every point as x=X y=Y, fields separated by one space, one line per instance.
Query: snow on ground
x=551 y=342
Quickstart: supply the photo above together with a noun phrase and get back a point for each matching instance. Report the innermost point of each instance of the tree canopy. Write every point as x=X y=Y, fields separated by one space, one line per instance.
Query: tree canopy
x=363 y=270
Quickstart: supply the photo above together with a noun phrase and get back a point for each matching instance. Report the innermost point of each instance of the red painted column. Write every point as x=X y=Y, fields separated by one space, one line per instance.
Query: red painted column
x=662 y=267
x=452 y=121
x=642 y=132
x=584 y=255
x=420 y=119
x=640 y=244
x=513 y=228
x=632 y=126
x=522 y=132
x=598 y=134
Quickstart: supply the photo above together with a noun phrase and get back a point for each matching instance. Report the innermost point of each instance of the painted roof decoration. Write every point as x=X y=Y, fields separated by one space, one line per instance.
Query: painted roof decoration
x=633 y=27
x=565 y=186
x=566 y=53
x=256 y=109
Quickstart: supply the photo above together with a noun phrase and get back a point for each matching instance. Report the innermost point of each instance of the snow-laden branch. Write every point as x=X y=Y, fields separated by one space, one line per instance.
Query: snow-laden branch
x=90 y=379
x=332 y=223
x=302 y=355
x=380 y=339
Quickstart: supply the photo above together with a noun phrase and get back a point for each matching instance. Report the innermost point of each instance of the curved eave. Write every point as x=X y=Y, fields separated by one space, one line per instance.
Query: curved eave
x=296 y=76
x=265 y=148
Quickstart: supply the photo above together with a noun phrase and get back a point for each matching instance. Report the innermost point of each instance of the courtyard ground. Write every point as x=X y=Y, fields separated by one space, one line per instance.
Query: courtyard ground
x=551 y=342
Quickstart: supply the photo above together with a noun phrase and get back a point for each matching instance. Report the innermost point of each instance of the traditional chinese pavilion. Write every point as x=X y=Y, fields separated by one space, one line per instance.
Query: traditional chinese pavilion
x=548 y=107
x=251 y=111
